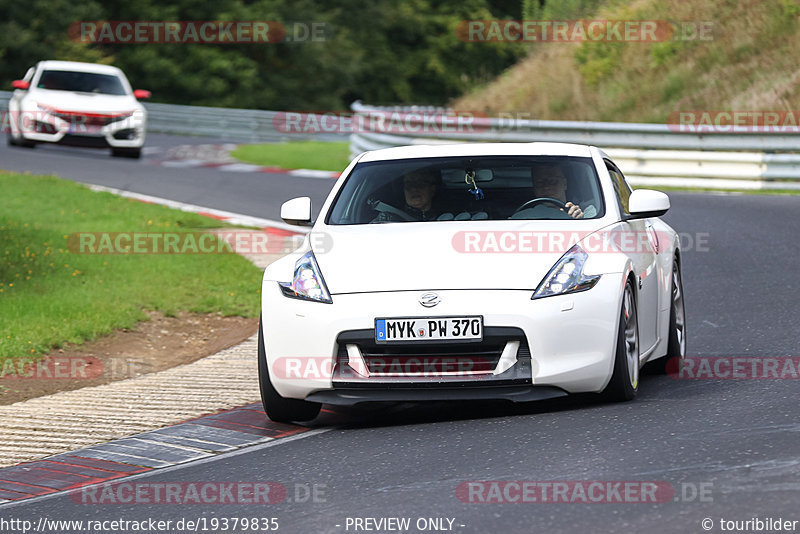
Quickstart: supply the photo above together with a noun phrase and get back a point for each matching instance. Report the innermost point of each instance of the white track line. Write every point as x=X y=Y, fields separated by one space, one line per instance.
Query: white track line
x=227 y=216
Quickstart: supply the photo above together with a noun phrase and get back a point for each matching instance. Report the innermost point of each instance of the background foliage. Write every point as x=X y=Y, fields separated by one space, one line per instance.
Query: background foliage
x=380 y=51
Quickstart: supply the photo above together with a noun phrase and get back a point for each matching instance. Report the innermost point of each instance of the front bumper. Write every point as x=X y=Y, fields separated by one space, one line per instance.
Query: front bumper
x=46 y=127
x=344 y=396
x=532 y=349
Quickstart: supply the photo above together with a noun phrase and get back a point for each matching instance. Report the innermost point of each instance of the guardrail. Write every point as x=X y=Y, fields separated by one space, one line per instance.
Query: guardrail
x=648 y=154
x=244 y=125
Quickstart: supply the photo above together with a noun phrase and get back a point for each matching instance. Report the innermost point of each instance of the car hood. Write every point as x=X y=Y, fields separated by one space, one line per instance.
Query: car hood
x=443 y=255
x=86 y=102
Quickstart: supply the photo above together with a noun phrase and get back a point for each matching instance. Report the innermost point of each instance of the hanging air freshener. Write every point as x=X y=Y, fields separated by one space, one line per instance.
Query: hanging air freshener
x=474 y=190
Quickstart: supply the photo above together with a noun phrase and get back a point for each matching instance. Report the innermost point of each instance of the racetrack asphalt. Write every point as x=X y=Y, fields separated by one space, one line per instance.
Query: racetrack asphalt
x=728 y=448
x=256 y=194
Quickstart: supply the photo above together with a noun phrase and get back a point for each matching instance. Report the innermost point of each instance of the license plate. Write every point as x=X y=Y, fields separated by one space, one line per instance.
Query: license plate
x=85 y=129
x=411 y=329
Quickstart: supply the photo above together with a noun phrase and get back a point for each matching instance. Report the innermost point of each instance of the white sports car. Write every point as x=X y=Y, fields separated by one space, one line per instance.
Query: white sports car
x=471 y=271
x=80 y=104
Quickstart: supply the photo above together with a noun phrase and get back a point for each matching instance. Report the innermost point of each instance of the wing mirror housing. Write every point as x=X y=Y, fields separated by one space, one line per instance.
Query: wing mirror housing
x=647 y=203
x=297 y=211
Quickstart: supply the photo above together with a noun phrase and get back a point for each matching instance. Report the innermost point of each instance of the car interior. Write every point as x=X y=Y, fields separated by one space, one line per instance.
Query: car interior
x=492 y=189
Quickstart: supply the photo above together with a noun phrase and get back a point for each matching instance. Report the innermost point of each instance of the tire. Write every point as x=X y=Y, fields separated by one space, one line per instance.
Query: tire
x=280 y=409
x=133 y=153
x=624 y=383
x=24 y=143
x=19 y=142
x=676 y=339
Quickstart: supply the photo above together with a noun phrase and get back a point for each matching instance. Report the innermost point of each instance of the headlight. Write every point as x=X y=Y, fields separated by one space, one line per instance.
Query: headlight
x=307 y=283
x=566 y=276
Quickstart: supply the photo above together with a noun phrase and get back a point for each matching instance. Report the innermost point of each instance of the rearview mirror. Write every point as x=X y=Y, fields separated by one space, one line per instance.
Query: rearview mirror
x=141 y=94
x=457 y=176
x=20 y=84
x=484 y=175
x=647 y=203
x=297 y=211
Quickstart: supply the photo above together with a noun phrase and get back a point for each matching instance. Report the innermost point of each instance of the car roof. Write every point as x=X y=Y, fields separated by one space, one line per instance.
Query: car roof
x=79 y=66
x=478 y=149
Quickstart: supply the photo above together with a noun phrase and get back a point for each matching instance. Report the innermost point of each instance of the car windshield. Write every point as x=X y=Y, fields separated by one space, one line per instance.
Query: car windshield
x=83 y=82
x=473 y=188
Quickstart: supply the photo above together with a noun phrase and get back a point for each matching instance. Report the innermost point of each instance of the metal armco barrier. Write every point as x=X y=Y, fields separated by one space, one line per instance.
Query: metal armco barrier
x=649 y=154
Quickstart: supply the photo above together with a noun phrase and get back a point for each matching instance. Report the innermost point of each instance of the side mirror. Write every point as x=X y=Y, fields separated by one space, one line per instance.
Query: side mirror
x=141 y=94
x=647 y=203
x=20 y=84
x=297 y=211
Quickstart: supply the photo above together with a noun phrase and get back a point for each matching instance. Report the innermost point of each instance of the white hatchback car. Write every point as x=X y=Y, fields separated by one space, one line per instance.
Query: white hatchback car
x=80 y=104
x=471 y=271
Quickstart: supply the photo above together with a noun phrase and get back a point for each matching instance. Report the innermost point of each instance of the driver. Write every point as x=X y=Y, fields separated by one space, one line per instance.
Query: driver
x=549 y=181
x=419 y=189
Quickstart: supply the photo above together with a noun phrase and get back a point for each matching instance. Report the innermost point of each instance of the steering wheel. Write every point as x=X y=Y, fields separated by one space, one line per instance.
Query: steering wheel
x=383 y=207
x=534 y=201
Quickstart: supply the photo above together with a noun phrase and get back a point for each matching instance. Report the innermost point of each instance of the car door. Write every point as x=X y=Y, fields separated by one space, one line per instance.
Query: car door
x=642 y=249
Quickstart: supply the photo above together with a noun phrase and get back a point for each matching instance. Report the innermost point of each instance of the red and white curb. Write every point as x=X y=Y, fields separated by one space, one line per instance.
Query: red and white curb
x=268 y=225
x=196 y=439
x=258 y=246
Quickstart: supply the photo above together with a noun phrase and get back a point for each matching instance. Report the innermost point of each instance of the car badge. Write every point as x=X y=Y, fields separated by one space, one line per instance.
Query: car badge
x=429 y=300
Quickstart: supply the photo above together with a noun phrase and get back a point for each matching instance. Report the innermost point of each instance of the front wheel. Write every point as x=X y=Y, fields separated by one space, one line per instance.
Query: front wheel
x=624 y=382
x=280 y=409
x=676 y=338
x=19 y=142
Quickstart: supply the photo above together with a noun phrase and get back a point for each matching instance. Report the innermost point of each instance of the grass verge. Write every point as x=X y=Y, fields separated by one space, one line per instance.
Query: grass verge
x=50 y=295
x=315 y=155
